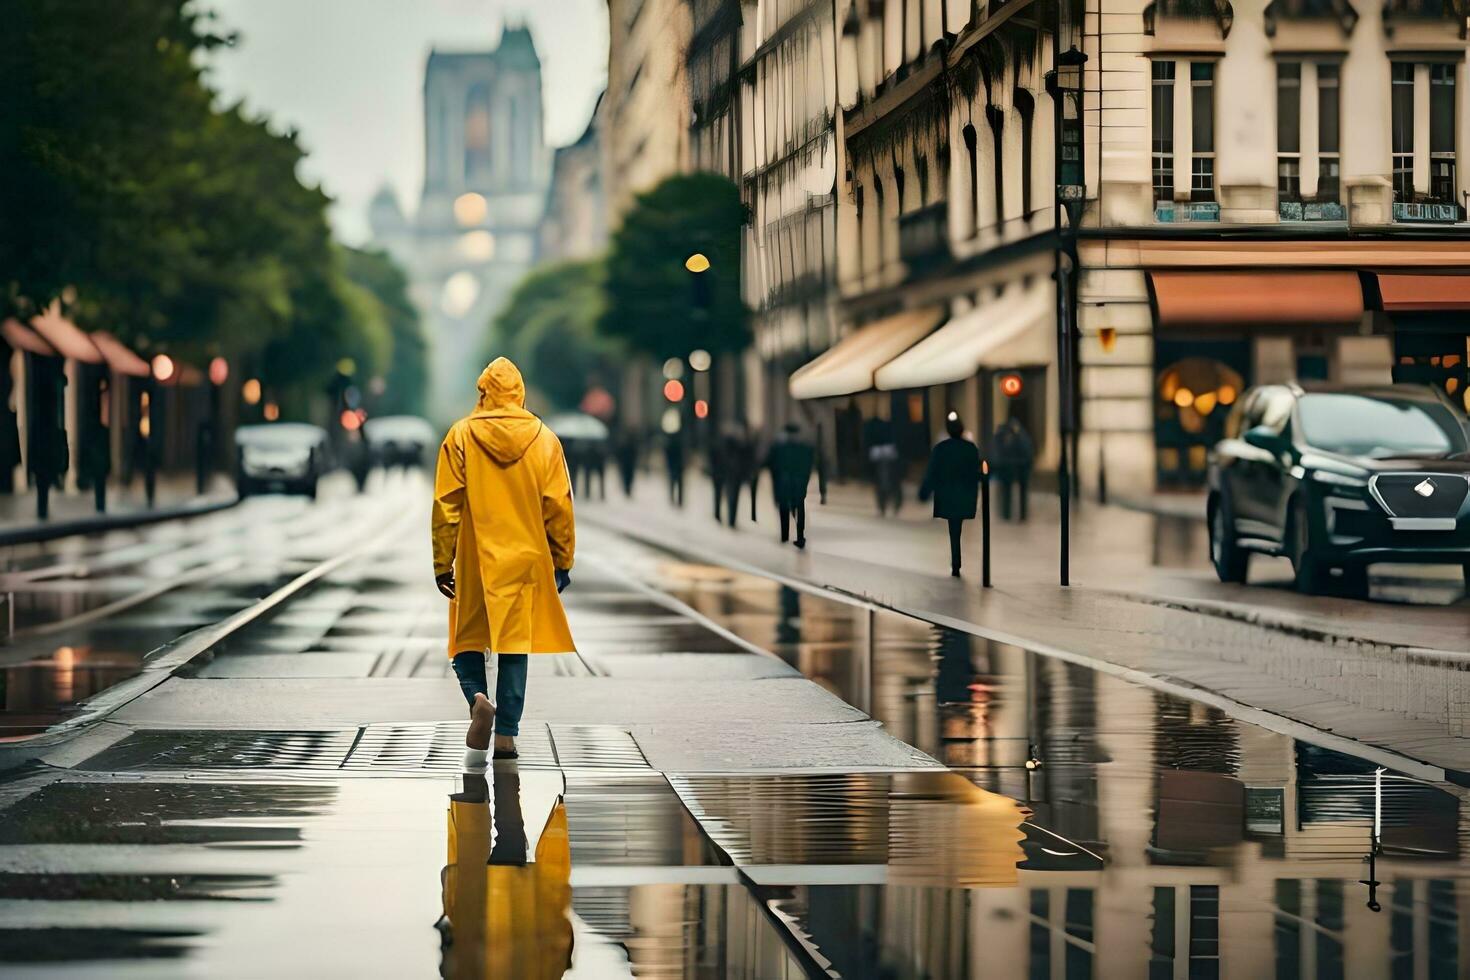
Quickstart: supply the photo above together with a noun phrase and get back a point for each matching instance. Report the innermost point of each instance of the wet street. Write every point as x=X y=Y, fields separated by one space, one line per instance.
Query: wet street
x=234 y=750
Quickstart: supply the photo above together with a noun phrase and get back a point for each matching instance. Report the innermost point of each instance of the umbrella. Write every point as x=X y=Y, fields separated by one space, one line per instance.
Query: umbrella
x=575 y=425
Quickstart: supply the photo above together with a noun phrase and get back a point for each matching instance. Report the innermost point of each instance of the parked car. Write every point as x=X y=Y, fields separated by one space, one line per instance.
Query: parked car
x=1337 y=477
x=400 y=440
x=282 y=457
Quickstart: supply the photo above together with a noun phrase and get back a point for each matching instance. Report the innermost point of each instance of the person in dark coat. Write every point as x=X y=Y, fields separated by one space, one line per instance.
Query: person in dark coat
x=953 y=480
x=880 y=442
x=736 y=464
x=674 y=463
x=791 y=460
x=625 y=451
x=1014 y=454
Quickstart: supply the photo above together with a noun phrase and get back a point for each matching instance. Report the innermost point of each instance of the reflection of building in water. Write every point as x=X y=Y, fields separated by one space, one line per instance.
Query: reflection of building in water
x=485 y=180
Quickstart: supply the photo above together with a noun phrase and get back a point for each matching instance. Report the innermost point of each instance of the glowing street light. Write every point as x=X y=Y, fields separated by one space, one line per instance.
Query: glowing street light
x=697 y=262
x=673 y=369
x=674 y=390
x=219 y=371
x=250 y=391
x=163 y=367
x=700 y=360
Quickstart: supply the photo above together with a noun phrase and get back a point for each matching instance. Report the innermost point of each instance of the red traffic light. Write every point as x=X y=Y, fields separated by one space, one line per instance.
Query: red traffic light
x=1011 y=385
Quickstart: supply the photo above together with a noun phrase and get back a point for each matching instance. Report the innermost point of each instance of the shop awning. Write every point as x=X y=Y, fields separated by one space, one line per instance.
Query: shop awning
x=120 y=360
x=1017 y=328
x=848 y=367
x=1248 y=298
x=1424 y=294
x=68 y=339
x=22 y=337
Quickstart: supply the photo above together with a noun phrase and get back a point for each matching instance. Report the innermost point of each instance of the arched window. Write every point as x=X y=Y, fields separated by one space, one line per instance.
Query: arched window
x=996 y=118
x=477 y=165
x=972 y=156
x=1026 y=109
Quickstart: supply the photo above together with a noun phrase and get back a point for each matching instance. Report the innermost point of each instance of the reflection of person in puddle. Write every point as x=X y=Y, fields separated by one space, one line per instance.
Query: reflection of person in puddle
x=503 y=536
x=504 y=917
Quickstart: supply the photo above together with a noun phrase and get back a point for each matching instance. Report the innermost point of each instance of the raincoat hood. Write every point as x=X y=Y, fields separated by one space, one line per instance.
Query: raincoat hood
x=500 y=425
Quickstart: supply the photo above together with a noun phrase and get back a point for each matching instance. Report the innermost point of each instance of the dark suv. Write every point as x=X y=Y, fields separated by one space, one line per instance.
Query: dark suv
x=1336 y=478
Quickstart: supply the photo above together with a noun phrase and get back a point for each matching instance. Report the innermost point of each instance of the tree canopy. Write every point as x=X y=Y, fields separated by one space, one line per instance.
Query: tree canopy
x=155 y=212
x=549 y=328
x=655 y=304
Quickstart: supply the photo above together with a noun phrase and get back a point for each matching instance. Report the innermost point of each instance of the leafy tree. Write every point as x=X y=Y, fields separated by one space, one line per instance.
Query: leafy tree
x=549 y=328
x=656 y=305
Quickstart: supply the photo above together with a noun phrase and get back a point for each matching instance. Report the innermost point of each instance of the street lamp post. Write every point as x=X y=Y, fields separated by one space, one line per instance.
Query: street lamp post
x=1064 y=83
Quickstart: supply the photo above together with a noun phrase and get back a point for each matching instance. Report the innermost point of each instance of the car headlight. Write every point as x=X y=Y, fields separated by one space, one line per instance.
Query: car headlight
x=1339 y=479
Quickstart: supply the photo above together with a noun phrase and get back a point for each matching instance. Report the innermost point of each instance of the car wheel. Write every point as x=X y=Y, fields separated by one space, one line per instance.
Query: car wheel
x=1304 y=564
x=1355 y=581
x=1231 y=561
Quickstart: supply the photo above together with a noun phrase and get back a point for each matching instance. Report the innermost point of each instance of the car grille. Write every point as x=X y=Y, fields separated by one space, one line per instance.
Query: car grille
x=1398 y=493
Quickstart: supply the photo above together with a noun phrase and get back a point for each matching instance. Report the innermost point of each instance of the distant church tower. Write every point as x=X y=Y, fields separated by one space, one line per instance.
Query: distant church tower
x=486 y=174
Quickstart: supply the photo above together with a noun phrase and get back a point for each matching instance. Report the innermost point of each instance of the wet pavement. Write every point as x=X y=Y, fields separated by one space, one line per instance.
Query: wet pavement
x=702 y=793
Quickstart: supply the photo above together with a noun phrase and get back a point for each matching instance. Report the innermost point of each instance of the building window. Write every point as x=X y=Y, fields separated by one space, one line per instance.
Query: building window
x=972 y=155
x=1329 y=180
x=1289 y=131
x=997 y=118
x=1403 y=131
x=1442 y=133
x=1202 y=111
x=1026 y=109
x=921 y=170
x=1163 y=130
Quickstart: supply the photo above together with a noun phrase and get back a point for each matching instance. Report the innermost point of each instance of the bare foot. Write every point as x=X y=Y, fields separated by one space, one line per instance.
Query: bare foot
x=482 y=723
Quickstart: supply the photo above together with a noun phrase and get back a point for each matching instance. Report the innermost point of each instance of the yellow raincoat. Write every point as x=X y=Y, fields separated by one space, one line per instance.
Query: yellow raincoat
x=503 y=522
x=508 y=922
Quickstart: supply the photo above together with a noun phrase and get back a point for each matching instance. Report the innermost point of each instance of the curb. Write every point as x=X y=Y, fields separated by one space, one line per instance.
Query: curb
x=49 y=531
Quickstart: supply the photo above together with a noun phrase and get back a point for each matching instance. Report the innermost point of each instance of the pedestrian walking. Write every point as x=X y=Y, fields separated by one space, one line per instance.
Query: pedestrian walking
x=625 y=452
x=503 y=538
x=880 y=441
x=736 y=456
x=674 y=465
x=1014 y=454
x=594 y=468
x=791 y=460
x=953 y=480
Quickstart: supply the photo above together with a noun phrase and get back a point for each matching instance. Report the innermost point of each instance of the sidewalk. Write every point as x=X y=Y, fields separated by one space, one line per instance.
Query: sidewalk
x=76 y=513
x=1143 y=604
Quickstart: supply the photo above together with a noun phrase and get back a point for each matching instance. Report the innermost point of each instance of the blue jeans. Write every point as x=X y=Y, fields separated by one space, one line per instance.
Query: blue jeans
x=510 y=686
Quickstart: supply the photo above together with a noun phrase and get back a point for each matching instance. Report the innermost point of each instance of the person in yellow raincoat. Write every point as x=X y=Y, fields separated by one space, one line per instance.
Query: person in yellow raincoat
x=504 y=537
x=506 y=918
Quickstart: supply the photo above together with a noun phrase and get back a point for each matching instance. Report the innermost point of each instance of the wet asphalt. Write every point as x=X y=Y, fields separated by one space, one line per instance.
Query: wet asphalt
x=731 y=779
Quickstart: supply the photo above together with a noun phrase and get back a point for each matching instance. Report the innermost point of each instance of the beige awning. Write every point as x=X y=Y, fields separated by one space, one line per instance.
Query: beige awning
x=69 y=339
x=1016 y=329
x=848 y=366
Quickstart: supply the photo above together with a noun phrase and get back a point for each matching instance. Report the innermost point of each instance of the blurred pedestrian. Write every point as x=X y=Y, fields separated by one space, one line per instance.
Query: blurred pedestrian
x=674 y=465
x=791 y=460
x=1013 y=454
x=625 y=452
x=503 y=538
x=736 y=468
x=880 y=441
x=594 y=468
x=953 y=480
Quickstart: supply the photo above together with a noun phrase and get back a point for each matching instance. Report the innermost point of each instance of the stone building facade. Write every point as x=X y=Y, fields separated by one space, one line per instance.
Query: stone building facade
x=474 y=231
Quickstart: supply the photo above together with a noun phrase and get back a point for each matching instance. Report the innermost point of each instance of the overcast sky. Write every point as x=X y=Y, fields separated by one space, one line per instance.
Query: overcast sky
x=349 y=75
